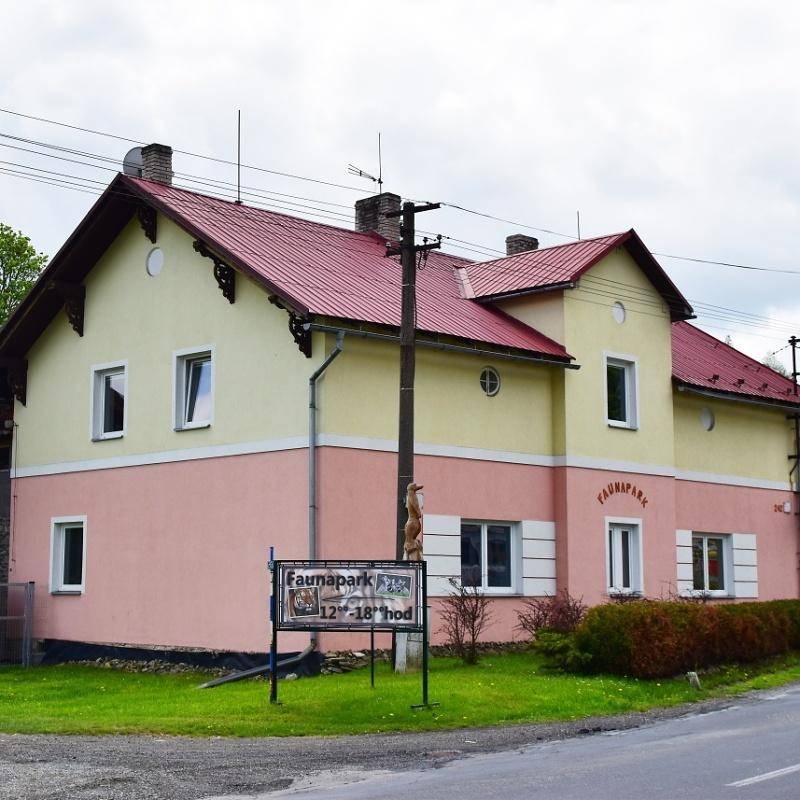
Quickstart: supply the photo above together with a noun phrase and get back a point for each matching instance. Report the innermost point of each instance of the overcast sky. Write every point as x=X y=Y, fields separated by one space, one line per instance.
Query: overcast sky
x=680 y=120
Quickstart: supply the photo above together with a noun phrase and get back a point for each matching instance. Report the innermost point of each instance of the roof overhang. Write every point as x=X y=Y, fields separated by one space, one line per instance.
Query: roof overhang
x=688 y=388
x=104 y=221
x=391 y=334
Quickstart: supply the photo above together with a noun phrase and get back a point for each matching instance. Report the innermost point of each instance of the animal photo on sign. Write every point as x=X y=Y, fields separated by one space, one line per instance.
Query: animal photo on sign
x=389 y=585
x=303 y=602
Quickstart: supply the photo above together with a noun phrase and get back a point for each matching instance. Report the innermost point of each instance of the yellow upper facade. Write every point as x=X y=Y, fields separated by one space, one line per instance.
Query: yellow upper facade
x=542 y=414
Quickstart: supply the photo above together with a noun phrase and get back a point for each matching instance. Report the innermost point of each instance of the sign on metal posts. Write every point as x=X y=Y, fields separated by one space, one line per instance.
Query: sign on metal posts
x=349 y=596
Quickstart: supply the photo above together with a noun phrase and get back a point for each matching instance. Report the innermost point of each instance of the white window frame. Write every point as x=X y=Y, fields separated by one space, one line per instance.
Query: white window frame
x=631 y=365
x=97 y=400
x=636 y=562
x=57 y=526
x=727 y=565
x=516 y=556
x=179 y=359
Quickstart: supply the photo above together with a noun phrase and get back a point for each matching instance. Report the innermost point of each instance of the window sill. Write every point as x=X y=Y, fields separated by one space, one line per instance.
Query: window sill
x=632 y=593
x=198 y=427
x=104 y=437
x=66 y=591
x=624 y=426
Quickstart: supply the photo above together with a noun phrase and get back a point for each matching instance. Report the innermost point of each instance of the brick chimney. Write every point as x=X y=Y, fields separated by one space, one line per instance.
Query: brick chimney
x=157 y=163
x=520 y=243
x=370 y=215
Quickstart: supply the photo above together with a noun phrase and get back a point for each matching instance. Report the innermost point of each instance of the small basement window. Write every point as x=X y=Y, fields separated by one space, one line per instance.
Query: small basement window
x=68 y=555
x=109 y=401
x=194 y=388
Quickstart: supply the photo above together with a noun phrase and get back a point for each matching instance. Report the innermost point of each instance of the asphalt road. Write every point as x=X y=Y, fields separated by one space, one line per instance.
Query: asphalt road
x=671 y=753
x=750 y=752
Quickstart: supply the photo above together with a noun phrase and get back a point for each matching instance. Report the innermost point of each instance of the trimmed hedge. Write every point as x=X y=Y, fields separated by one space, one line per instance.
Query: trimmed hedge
x=659 y=639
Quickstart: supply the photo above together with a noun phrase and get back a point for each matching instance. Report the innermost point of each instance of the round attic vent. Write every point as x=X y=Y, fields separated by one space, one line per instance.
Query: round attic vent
x=154 y=262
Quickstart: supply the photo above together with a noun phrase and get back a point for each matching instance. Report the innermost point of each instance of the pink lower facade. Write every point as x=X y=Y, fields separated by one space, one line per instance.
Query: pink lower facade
x=176 y=553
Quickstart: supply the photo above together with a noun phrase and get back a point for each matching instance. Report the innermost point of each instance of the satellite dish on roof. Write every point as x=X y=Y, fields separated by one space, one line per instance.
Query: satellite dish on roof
x=132 y=163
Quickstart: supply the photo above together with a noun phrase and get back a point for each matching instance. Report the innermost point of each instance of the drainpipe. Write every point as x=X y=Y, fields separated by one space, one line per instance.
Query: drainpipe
x=312 y=451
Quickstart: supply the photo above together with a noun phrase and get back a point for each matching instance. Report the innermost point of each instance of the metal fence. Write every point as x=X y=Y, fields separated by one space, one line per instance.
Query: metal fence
x=16 y=623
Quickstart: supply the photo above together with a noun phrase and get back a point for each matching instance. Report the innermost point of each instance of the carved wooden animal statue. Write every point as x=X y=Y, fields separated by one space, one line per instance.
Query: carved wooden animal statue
x=412 y=546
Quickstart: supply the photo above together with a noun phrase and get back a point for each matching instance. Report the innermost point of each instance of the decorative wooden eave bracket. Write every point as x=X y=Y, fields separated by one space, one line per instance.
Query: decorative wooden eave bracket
x=17 y=376
x=297 y=327
x=74 y=297
x=225 y=275
x=148 y=220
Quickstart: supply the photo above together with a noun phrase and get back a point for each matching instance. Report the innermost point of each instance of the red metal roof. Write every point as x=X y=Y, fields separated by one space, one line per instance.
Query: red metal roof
x=329 y=271
x=557 y=267
x=701 y=360
x=538 y=268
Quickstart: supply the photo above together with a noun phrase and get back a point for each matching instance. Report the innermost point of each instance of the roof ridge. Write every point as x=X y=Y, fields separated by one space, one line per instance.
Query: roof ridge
x=553 y=247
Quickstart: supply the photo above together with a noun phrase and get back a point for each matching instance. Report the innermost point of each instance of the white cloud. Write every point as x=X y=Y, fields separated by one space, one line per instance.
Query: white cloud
x=677 y=118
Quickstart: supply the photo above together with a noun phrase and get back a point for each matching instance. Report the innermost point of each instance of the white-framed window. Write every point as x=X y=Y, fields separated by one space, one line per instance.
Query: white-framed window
x=622 y=390
x=489 y=555
x=67 y=555
x=194 y=388
x=624 y=556
x=109 y=400
x=712 y=564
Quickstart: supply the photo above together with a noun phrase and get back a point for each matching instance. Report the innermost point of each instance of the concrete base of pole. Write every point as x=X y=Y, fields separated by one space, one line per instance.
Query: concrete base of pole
x=408 y=656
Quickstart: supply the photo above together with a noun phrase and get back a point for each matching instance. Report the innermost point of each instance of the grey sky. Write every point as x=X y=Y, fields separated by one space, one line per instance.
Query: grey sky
x=678 y=119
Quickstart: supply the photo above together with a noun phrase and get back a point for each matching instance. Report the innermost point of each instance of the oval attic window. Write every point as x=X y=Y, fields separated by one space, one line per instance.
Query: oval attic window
x=707 y=419
x=490 y=381
x=618 y=312
x=154 y=262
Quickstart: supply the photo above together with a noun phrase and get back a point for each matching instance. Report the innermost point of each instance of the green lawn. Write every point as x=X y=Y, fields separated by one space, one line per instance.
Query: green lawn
x=501 y=689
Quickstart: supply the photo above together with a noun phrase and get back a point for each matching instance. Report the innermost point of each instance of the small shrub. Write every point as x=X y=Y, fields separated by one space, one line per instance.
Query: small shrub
x=465 y=614
x=560 y=612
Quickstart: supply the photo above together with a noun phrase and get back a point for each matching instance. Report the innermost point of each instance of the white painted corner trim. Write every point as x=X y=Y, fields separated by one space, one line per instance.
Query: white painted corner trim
x=390 y=446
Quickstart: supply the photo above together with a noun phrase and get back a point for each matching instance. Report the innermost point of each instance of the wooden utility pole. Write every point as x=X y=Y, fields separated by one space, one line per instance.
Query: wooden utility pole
x=408 y=323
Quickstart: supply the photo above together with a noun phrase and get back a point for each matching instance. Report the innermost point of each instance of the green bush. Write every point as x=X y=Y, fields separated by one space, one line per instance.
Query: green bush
x=658 y=639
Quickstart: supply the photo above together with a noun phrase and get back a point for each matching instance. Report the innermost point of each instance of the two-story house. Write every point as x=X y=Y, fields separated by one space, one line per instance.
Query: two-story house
x=573 y=430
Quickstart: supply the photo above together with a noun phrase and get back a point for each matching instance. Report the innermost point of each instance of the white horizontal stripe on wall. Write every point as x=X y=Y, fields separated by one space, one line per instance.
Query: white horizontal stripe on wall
x=390 y=446
x=434 y=544
x=685 y=577
x=744 y=541
x=745 y=569
x=438 y=587
x=538 y=587
x=441 y=543
x=538 y=557
x=745 y=558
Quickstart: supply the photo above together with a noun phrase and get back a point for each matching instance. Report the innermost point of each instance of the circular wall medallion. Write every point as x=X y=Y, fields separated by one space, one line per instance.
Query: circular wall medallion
x=154 y=262
x=618 y=312
x=707 y=419
x=490 y=381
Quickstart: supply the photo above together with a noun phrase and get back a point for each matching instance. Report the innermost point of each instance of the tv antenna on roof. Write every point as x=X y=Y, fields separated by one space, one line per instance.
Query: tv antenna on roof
x=352 y=169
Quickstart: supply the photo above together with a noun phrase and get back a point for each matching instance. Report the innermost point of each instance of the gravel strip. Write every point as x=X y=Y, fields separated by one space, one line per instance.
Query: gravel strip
x=177 y=768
